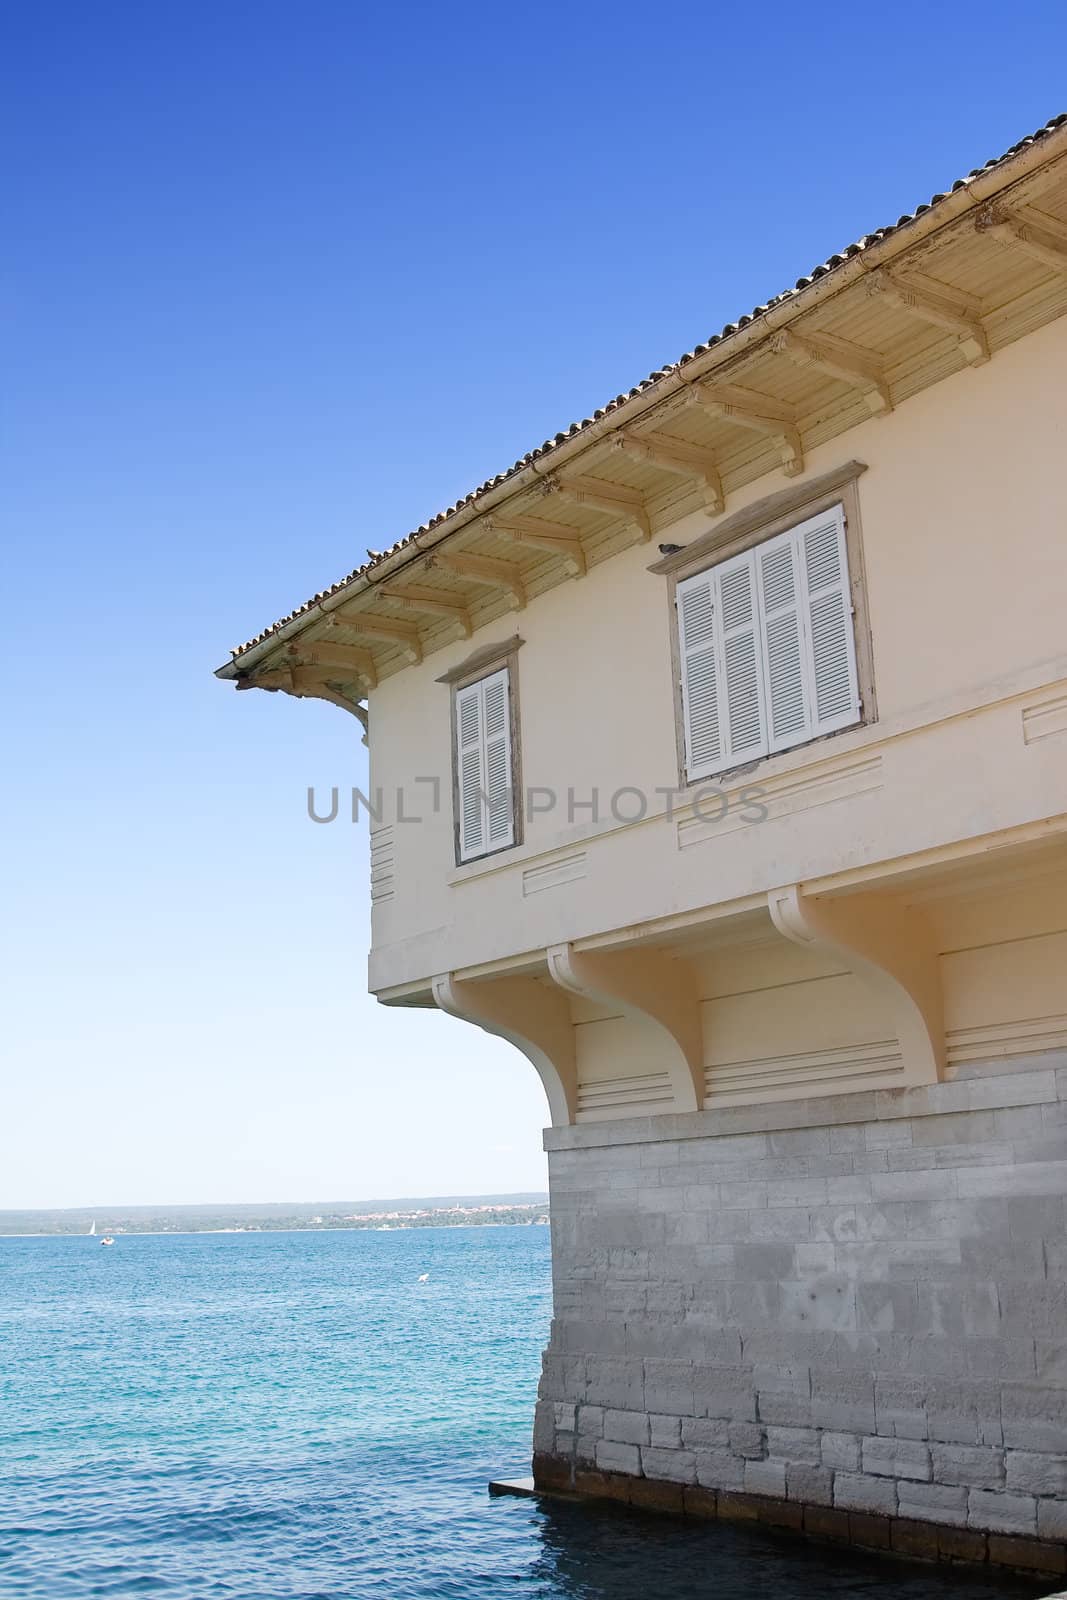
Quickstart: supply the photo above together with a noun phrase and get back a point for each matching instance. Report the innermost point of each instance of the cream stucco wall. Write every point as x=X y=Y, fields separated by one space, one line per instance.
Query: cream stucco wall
x=964 y=527
x=804 y=1052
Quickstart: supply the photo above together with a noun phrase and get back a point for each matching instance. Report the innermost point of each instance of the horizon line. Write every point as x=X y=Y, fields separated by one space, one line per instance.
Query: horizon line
x=223 y=1205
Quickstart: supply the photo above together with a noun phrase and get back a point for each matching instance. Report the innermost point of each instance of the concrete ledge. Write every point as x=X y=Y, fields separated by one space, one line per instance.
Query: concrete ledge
x=986 y=1086
x=923 y=1541
x=522 y=1488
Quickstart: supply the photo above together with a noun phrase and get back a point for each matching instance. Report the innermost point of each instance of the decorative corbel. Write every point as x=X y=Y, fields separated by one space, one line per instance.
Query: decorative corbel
x=561 y=542
x=944 y=310
x=433 y=604
x=653 y=987
x=757 y=412
x=306 y=683
x=388 y=629
x=889 y=948
x=675 y=456
x=625 y=504
x=486 y=570
x=1042 y=240
x=840 y=361
x=532 y=1016
x=343 y=657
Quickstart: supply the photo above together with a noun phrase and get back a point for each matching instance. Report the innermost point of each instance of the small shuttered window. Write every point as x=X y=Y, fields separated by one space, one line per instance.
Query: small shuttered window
x=484 y=790
x=767 y=648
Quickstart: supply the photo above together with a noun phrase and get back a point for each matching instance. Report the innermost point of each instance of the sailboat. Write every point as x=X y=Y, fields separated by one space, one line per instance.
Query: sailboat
x=92 y=1230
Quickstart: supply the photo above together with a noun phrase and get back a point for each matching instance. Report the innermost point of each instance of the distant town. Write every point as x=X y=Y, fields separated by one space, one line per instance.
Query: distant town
x=449 y=1211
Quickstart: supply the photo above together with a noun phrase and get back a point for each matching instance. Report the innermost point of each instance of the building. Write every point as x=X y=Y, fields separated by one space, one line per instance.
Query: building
x=734 y=719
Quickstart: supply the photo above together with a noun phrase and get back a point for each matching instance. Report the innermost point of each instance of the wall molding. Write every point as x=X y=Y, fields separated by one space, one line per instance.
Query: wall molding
x=382 y=864
x=801 y=1069
x=1045 y=718
x=1013 y=1038
x=1006 y=1084
x=553 y=874
x=613 y=1095
x=858 y=772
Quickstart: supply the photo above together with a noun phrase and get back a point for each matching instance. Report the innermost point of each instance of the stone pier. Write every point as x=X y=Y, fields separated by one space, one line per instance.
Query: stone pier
x=845 y=1314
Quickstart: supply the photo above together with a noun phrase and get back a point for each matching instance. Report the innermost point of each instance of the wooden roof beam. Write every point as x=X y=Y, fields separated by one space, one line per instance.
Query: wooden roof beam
x=433 y=604
x=757 y=412
x=495 y=574
x=1044 y=241
x=346 y=657
x=839 y=361
x=544 y=535
x=388 y=629
x=306 y=683
x=626 y=504
x=944 y=310
x=674 y=455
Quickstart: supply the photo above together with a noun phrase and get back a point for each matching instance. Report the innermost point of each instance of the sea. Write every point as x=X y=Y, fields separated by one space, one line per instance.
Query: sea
x=296 y=1416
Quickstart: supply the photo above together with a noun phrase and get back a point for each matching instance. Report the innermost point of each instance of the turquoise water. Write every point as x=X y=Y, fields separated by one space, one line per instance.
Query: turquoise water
x=295 y=1417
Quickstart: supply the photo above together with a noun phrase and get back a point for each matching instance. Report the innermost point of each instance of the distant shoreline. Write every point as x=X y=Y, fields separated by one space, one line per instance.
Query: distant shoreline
x=195 y=1233
x=400 y=1215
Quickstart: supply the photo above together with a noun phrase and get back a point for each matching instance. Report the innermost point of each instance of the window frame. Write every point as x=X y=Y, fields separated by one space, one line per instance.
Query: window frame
x=744 y=532
x=486 y=663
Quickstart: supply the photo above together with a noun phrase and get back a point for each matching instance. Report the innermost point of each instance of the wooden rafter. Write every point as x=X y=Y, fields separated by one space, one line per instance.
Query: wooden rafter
x=757 y=412
x=388 y=629
x=944 y=310
x=432 y=603
x=626 y=504
x=489 y=570
x=1043 y=240
x=838 y=360
x=346 y=657
x=674 y=455
x=544 y=535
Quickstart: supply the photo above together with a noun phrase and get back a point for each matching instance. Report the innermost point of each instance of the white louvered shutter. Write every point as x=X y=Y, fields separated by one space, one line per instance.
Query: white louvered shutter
x=700 y=674
x=768 y=650
x=741 y=697
x=722 y=667
x=823 y=561
x=499 y=811
x=469 y=785
x=483 y=766
x=785 y=664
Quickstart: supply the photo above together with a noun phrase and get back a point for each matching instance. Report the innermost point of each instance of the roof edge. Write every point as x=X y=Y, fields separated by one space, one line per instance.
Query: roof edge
x=1039 y=149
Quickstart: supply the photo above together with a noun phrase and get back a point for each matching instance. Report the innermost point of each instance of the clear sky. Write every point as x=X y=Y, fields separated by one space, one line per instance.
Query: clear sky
x=279 y=282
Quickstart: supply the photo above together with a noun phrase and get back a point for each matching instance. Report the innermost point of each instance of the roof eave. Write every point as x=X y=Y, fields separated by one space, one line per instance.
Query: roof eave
x=967 y=196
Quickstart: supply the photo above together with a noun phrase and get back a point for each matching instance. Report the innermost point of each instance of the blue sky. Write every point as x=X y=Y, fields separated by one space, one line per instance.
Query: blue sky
x=279 y=282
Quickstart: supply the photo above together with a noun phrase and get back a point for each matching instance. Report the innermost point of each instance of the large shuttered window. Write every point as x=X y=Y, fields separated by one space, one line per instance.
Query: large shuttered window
x=767 y=648
x=484 y=788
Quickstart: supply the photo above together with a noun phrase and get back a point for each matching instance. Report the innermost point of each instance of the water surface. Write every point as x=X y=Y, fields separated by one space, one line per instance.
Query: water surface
x=295 y=1417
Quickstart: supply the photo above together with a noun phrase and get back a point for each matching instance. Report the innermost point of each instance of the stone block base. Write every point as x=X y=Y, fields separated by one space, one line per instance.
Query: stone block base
x=847 y=1312
x=867 y=1530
